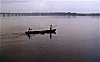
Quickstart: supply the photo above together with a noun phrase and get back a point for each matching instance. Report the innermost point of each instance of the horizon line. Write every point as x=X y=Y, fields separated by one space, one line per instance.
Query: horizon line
x=50 y=12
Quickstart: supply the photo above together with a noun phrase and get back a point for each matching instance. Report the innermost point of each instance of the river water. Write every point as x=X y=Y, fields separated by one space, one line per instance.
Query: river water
x=76 y=39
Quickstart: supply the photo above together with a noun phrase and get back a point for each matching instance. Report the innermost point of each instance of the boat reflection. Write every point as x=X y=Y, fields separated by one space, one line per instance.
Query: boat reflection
x=38 y=33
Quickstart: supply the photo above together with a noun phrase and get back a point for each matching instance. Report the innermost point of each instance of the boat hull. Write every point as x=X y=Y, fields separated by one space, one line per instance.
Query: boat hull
x=41 y=32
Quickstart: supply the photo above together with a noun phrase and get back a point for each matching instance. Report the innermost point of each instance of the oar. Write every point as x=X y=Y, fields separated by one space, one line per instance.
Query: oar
x=55 y=26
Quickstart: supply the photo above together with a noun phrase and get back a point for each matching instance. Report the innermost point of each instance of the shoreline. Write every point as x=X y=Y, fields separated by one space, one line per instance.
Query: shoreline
x=50 y=14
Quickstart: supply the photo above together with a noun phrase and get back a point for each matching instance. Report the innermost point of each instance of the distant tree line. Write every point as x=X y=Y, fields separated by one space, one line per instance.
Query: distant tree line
x=50 y=14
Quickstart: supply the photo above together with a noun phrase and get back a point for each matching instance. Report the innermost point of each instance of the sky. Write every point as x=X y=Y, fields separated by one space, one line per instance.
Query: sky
x=79 y=6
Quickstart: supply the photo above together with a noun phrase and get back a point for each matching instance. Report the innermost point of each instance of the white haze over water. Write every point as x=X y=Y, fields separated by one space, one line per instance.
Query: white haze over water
x=79 y=6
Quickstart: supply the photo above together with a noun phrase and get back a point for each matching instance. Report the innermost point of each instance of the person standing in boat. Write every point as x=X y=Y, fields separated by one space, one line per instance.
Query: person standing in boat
x=50 y=27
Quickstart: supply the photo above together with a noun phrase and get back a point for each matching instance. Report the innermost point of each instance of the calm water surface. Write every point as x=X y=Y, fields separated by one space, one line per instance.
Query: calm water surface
x=76 y=39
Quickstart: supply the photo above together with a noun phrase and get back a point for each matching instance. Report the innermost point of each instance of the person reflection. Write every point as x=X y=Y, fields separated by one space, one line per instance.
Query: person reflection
x=29 y=36
x=50 y=35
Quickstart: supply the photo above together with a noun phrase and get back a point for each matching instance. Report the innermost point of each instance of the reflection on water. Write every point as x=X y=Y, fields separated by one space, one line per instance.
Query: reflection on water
x=76 y=39
x=30 y=35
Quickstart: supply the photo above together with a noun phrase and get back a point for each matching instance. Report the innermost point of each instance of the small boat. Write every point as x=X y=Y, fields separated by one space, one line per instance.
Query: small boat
x=41 y=32
x=30 y=31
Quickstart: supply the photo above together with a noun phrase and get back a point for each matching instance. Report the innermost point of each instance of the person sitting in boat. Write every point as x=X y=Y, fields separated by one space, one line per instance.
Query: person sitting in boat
x=29 y=29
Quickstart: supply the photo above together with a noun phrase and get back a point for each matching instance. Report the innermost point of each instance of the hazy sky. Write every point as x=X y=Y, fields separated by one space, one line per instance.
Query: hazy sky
x=83 y=6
